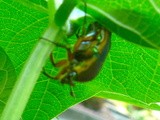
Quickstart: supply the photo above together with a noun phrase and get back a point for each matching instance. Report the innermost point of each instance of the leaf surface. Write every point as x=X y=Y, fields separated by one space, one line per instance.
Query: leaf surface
x=7 y=78
x=130 y=73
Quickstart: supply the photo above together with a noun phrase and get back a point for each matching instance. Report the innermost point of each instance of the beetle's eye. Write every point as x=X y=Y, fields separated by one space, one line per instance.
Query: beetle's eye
x=84 y=45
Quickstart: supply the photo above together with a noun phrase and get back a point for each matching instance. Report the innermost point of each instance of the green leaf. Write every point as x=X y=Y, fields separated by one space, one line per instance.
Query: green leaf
x=130 y=73
x=40 y=5
x=135 y=74
x=30 y=72
x=7 y=78
x=40 y=2
x=136 y=21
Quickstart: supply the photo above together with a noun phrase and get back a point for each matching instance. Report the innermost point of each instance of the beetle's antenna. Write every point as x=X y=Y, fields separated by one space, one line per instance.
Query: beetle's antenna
x=84 y=21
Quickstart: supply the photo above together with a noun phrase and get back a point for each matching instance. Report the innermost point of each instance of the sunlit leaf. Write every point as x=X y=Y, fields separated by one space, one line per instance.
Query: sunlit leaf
x=7 y=78
x=130 y=73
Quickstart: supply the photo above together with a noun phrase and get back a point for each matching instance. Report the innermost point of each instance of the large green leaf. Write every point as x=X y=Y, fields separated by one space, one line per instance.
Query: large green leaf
x=7 y=78
x=137 y=21
x=131 y=73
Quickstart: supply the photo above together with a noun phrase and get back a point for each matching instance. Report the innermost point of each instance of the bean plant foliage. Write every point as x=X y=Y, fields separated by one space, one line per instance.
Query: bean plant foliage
x=131 y=71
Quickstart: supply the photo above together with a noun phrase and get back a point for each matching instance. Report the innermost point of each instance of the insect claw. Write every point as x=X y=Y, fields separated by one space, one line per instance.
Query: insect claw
x=72 y=92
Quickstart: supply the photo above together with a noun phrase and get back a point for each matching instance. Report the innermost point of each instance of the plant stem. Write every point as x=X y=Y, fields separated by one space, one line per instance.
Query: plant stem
x=33 y=67
x=28 y=77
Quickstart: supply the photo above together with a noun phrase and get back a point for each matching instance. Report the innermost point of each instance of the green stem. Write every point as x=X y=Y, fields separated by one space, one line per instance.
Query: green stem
x=28 y=77
x=33 y=67
x=51 y=10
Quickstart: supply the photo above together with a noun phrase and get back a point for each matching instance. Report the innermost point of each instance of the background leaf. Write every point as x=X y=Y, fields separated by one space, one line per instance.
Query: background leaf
x=40 y=2
x=131 y=73
x=136 y=21
x=7 y=78
x=40 y=5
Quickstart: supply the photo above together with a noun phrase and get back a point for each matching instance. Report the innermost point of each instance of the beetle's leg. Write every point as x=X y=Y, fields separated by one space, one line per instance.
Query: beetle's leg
x=62 y=62
x=56 y=43
x=71 y=87
x=77 y=34
x=58 y=64
x=57 y=77
x=70 y=56
x=71 y=84
x=80 y=32
x=71 y=91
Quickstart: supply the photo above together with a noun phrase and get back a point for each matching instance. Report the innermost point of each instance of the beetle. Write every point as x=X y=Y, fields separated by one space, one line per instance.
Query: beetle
x=85 y=60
